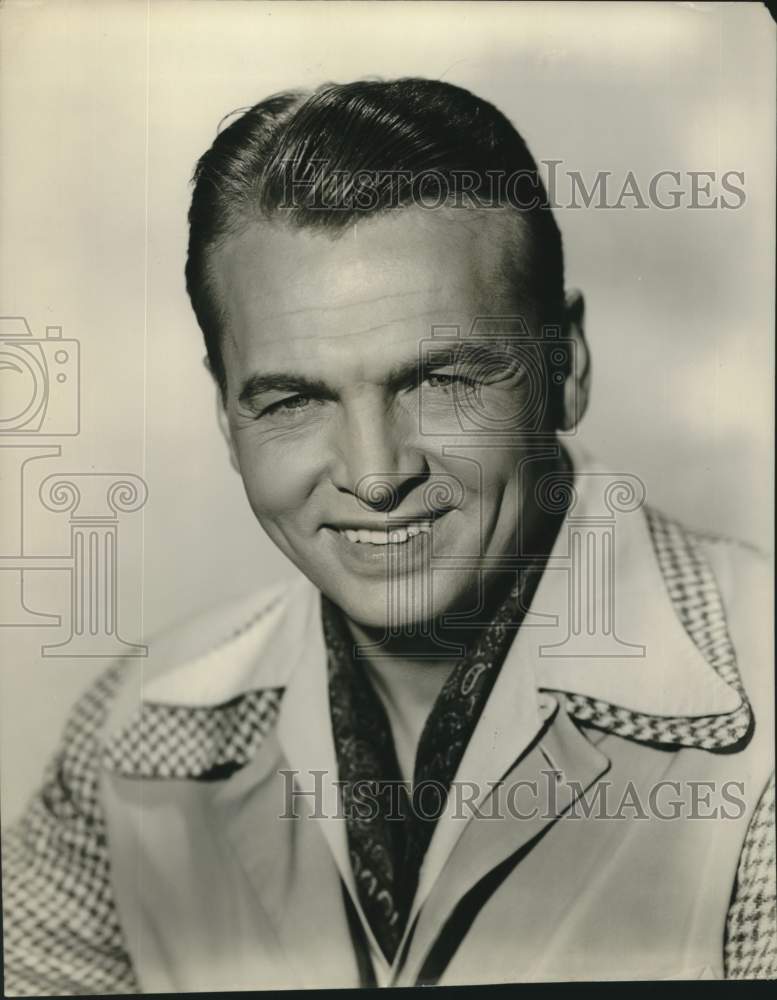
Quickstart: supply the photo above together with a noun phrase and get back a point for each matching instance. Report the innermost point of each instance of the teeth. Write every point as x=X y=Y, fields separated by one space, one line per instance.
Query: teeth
x=388 y=536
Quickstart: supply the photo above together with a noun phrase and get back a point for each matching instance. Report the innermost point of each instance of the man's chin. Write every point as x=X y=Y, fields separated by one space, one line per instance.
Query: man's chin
x=378 y=611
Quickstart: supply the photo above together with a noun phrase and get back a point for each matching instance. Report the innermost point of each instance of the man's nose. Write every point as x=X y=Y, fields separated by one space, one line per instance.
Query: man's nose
x=376 y=454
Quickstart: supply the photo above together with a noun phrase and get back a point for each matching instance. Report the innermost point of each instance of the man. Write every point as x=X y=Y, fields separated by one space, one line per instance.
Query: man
x=475 y=742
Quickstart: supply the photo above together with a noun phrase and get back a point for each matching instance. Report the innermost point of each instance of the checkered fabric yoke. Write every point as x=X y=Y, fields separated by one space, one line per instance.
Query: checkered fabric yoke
x=184 y=741
x=61 y=931
x=178 y=741
x=694 y=593
x=62 y=934
x=750 y=950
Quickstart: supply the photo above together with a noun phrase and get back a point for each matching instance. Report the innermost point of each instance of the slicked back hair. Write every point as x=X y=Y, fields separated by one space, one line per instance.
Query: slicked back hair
x=324 y=159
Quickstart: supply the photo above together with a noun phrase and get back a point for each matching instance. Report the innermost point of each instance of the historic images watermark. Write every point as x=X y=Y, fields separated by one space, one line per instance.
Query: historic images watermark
x=40 y=397
x=544 y=798
x=321 y=187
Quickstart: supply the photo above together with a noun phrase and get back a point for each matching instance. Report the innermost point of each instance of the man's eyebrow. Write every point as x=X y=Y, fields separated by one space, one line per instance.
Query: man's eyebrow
x=257 y=384
x=442 y=353
x=435 y=355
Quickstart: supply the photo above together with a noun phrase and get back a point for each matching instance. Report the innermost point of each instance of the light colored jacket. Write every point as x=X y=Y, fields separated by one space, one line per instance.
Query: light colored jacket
x=610 y=819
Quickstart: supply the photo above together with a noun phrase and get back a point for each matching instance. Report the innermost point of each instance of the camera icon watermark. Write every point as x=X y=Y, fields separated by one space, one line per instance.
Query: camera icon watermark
x=39 y=381
x=500 y=379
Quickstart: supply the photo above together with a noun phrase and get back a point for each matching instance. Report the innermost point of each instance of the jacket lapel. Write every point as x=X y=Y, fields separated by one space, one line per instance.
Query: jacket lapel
x=556 y=769
x=290 y=868
x=305 y=735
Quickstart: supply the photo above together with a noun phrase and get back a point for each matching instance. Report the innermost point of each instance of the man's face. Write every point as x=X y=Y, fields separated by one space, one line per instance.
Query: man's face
x=344 y=424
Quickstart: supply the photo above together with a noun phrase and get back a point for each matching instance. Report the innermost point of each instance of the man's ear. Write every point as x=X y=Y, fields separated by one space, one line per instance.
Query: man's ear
x=578 y=382
x=221 y=415
x=223 y=420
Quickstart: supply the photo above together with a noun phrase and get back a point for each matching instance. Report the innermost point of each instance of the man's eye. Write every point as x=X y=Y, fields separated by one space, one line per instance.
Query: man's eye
x=439 y=380
x=477 y=376
x=288 y=407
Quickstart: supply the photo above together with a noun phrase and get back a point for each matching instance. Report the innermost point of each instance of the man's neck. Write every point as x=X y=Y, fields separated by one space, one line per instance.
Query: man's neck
x=411 y=671
x=407 y=684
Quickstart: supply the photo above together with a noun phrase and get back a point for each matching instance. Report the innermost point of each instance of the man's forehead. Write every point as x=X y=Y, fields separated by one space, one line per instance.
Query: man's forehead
x=413 y=267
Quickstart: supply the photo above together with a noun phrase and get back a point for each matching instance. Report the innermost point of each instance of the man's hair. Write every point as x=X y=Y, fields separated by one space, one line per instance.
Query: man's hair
x=327 y=158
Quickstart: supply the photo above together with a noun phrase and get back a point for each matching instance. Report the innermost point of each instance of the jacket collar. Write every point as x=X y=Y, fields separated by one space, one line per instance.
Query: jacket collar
x=604 y=624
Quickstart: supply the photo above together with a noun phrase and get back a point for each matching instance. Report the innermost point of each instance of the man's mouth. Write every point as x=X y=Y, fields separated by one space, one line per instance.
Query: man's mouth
x=392 y=534
x=386 y=533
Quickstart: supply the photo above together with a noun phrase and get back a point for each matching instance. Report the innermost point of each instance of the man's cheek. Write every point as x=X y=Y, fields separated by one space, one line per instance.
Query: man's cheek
x=505 y=476
x=274 y=486
x=482 y=468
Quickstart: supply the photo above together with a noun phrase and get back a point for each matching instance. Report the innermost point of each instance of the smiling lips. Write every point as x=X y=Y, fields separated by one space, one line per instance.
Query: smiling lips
x=390 y=535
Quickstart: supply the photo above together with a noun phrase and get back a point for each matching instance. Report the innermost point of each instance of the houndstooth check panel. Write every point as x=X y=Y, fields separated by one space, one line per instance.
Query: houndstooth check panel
x=62 y=934
x=178 y=741
x=693 y=590
x=61 y=931
x=751 y=927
